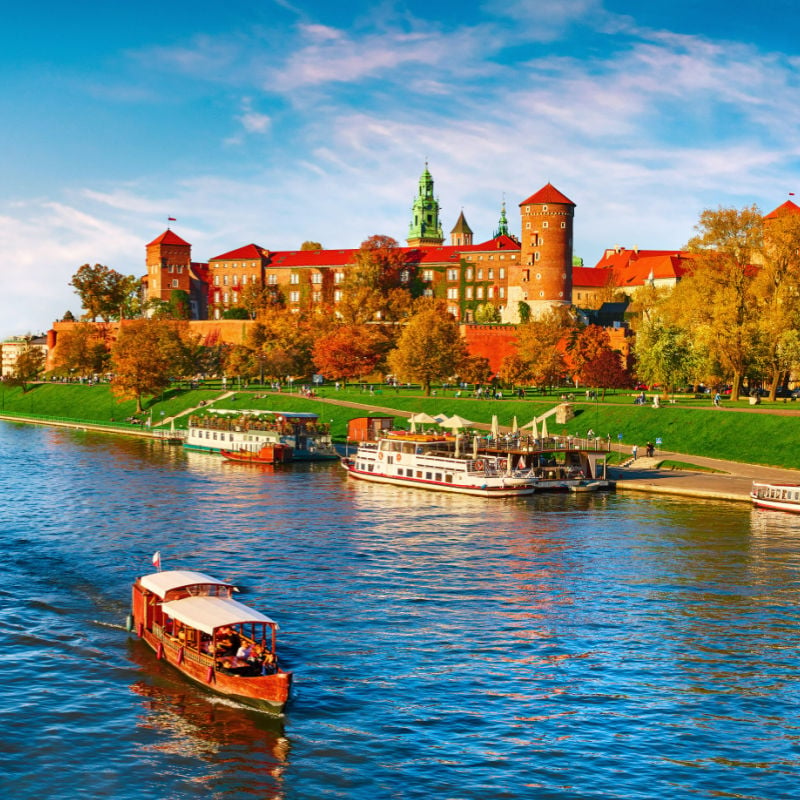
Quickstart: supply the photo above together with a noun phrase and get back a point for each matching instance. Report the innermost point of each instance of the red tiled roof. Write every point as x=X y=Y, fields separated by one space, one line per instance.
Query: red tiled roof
x=623 y=257
x=168 y=237
x=249 y=251
x=788 y=207
x=590 y=276
x=548 y=194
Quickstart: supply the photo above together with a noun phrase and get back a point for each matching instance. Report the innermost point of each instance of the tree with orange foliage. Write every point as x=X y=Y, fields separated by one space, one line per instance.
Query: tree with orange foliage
x=349 y=351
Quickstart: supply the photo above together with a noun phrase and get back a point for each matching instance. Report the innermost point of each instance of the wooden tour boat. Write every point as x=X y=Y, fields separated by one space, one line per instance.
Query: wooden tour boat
x=275 y=453
x=192 y=621
x=777 y=496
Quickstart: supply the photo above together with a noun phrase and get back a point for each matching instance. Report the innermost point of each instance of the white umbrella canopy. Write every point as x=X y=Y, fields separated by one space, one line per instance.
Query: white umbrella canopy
x=475 y=446
x=544 y=429
x=495 y=427
x=456 y=422
x=514 y=426
x=423 y=418
x=533 y=427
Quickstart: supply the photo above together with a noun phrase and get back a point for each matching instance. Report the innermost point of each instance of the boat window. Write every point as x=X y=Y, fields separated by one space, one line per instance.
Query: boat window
x=448 y=478
x=438 y=476
x=428 y=476
x=419 y=473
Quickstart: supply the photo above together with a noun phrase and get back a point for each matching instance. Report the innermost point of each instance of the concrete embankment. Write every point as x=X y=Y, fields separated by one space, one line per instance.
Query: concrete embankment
x=142 y=432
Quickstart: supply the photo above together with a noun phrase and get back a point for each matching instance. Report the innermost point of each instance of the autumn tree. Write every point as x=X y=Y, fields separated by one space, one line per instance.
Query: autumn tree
x=106 y=293
x=514 y=370
x=715 y=301
x=606 y=371
x=147 y=353
x=349 y=351
x=28 y=367
x=541 y=344
x=258 y=300
x=282 y=344
x=776 y=296
x=429 y=349
x=475 y=369
x=308 y=245
x=83 y=349
x=379 y=267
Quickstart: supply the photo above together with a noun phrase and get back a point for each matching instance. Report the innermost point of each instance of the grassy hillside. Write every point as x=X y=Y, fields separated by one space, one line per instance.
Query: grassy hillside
x=755 y=435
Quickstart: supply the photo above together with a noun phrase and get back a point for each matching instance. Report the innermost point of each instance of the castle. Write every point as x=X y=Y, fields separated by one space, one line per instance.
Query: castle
x=505 y=271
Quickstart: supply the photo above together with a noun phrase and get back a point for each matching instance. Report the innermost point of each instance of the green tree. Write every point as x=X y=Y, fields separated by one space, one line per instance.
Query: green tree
x=236 y=312
x=179 y=304
x=429 y=349
x=106 y=293
x=487 y=313
x=665 y=355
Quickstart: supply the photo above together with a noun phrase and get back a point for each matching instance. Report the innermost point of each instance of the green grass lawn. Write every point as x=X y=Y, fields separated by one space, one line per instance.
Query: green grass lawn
x=689 y=426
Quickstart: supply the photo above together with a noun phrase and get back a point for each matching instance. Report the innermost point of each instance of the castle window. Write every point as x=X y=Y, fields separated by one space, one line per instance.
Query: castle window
x=225 y=298
x=538 y=276
x=224 y=280
x=171 y=268
x=427 y=274
x=545 y=224
x=541 y=294
x=316 y=277
x=563 y=224
x=338 y=277
x=469 y=274
x=536 y=255
x=294 y=278
x=452 y=274
x=490 y=273
x=479 y=293
x=501 y=291
x=527 y=209
x=175 y=283
x=294 y=297
x=453 y=310
x=405 y=276
x=317 y=297
x=544 y=208
x=502 y=273
x=337 y=296
x=452 y=293
x=490 y=292
x=480 y=274
x=527 y=226
x=428 y=293
x=216 y=280
x=272 y=279
x=468 y=294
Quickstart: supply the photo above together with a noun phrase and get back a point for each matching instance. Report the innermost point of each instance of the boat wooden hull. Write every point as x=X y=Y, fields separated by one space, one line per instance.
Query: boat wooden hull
x=266 y=693
x=269 y=454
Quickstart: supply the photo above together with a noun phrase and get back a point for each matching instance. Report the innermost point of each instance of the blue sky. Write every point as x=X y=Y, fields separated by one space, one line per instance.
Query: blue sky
x=274 y=122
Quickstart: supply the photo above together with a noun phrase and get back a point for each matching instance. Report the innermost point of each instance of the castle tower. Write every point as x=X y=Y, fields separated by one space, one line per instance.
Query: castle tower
x=168 y=259
x=543 y=278
x=502 y=225
x=425 y=229
x=461 y=234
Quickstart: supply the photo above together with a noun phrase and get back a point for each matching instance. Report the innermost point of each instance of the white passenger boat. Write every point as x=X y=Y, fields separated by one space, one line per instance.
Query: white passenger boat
x=239 y=431
x=777 y=496
x=432 y=462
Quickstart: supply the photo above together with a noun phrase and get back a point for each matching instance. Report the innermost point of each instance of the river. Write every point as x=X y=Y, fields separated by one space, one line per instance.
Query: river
x=558 y=646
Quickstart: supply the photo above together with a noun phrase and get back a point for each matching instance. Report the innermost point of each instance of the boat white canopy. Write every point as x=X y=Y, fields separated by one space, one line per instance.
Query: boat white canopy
x=162 y=582
x=208 y=613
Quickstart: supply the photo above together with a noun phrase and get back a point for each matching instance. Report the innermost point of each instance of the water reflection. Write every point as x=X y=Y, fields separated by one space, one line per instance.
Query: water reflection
x=245 y=753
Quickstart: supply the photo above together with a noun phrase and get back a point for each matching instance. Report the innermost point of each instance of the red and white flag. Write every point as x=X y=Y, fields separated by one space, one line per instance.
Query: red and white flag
x=521 y=464
x=171 y=219
x=157 y=560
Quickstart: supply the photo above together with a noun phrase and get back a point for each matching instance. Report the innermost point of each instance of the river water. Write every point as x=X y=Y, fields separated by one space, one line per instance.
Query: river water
x=590 y=646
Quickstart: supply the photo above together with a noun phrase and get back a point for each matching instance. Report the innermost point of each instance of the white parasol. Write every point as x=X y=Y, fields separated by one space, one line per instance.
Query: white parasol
x=495 y=427
x=545 y=434
x=514 y=426
x=534 y=429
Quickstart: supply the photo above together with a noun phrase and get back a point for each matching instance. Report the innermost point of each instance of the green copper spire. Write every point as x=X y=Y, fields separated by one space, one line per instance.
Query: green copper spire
x=502 y=227
x=425 y=228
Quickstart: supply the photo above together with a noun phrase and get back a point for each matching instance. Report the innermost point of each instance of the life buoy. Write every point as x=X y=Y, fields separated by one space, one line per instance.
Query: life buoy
x=398 y=458
x=479 y=465
x=380 y=456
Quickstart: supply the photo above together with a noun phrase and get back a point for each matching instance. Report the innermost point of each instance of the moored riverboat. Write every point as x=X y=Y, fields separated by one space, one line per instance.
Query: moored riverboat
x=192 y=621
x=430 y=461
x=268 y=454
x=776 y=496
x=220 y=429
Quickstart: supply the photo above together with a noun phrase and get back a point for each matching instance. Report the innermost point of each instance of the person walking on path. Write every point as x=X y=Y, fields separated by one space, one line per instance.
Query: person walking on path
x=635 y=452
